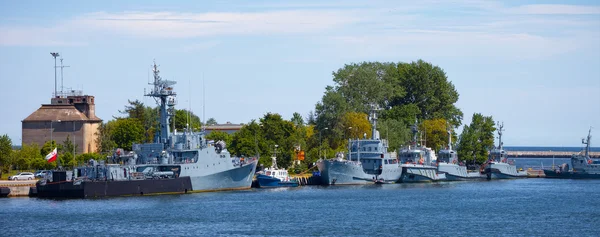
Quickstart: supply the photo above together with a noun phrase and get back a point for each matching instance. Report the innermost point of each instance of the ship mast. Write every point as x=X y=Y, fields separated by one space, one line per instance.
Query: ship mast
x=587 y=143
x=500 y=130
x=165 y=98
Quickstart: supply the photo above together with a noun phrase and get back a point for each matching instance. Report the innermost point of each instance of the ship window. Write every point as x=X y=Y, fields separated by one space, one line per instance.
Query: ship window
x=369 y=148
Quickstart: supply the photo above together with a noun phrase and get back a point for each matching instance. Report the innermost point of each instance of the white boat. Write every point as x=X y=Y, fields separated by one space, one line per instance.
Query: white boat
x=498 y=166
x=449 y=165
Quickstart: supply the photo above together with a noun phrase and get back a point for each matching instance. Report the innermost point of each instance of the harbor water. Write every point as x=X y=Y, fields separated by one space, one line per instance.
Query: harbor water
x=521 y=207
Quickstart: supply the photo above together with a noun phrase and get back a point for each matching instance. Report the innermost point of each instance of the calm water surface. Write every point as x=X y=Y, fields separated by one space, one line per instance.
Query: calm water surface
x=525 y=207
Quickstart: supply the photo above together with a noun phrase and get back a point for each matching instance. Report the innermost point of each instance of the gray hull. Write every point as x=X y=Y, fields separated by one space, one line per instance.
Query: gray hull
x=420 y=173
x=335 y=172
x=232 y=179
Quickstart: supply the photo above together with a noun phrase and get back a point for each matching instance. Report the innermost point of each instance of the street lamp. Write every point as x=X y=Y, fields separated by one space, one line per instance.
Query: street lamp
x=321 y=142
x=51 y=140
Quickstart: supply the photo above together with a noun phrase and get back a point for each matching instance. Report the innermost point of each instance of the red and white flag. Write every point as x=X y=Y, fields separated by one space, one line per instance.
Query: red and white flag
x=52 y=156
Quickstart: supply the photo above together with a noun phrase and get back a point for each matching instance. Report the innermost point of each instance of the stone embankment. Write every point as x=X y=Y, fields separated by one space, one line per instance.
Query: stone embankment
x=17 y=188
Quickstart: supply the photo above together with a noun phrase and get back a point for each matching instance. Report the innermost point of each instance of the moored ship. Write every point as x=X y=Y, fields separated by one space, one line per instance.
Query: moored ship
x=179 y=162
x=417 y=162
x=448 y=164
x=498 y=166
x=584 y=167
x=368 y=161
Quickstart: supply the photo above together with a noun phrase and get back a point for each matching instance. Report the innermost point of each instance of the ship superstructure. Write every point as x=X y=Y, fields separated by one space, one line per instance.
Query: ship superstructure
x=498 y=166
x=367 y=161
x=448 y=164
x=417 y=162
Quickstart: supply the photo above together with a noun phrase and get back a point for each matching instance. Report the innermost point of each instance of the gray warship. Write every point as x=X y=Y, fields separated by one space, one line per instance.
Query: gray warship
x=368 y=161
x=448 y=164
x=178 y=162
x=417 y=162
x=584 y=167
x=498 y=166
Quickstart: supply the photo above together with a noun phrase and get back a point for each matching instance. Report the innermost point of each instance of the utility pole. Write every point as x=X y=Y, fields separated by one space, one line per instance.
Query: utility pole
x=61 y=76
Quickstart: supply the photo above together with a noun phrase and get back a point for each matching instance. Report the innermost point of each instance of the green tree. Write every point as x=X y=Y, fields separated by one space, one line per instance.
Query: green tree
x=184 y=118
x=297 y=119
x=396 y=132
x=220 y=136
x=476 y=139
x=427 y=86
x=5 y=153
x=126 y=132
x=211 y=121
x=104 y=140
x=436 y=135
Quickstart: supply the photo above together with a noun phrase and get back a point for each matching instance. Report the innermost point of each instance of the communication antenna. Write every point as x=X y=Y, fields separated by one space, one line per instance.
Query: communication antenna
x=61 y=76
x=203 y=102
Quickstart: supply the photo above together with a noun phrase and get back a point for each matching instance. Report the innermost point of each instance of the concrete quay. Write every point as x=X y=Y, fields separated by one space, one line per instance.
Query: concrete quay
x=21 y=188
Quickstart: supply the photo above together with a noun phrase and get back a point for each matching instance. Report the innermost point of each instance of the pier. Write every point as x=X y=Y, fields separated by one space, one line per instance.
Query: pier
x=547 y=154
x=17 y=188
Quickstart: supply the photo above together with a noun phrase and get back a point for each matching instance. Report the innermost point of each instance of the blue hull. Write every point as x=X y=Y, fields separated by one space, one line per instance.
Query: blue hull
x=570 y=175
x=270 y=182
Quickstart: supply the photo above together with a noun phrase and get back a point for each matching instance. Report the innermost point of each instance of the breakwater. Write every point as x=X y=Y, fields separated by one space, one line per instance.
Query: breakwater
x=547 y=154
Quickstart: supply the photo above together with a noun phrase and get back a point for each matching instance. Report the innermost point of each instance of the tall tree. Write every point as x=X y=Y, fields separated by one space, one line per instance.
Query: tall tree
x=476 y=139
x=436 y=135
x=427 y=86
x=5 y=153
x=184 y=118
x=211 y=121
x=297 y=119
x=356 y=124
x=126 y=132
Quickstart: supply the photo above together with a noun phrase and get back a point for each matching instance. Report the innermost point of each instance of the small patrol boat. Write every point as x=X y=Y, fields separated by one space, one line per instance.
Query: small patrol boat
x=498 y=166
x=418 y=162
x=584 y=167
x=274 y=177
x=449 y=165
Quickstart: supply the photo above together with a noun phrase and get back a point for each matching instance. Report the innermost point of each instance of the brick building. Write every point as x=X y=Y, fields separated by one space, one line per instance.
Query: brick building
x=70 y=115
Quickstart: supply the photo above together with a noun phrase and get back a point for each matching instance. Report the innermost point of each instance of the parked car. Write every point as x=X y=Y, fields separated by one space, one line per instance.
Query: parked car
x=22 y=176
x=40 y=173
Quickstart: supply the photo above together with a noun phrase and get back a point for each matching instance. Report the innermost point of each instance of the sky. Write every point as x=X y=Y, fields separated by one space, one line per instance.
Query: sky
x=534 y=65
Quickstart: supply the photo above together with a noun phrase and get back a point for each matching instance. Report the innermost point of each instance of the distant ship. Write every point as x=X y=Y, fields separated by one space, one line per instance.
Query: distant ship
x=449 y=165
x=417 y=162
x=498 y=166
x=368 y=161
x=178 y=162
x=275 y=177
x=584 y=167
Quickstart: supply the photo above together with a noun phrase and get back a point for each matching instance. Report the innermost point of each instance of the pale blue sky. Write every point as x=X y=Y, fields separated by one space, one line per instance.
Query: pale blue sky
x=533 y=64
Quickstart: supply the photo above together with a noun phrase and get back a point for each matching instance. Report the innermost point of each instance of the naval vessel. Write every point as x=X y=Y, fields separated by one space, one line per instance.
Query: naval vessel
x=177 y=162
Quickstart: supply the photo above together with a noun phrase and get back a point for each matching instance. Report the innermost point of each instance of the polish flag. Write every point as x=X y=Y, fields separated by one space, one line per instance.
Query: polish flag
x=52 y=156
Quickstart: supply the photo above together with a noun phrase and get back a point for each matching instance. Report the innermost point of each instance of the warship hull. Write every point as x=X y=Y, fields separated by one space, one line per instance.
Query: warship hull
x=334 y=172
x=455 y=172
x=570 y=175
x=99 y=189
x=420 y=173
x=232 y=179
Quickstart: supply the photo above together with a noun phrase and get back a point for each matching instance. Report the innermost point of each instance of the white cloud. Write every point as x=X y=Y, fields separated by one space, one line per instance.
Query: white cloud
x=548 y=9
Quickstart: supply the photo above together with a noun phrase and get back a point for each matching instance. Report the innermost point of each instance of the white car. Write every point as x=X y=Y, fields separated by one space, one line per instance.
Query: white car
x=22 y=176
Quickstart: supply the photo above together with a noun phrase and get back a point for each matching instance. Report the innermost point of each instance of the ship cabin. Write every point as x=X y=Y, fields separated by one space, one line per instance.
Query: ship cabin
x=448 y=156
x=372 y=154
x=412 y=156
x=498 y=155
x=583 y=163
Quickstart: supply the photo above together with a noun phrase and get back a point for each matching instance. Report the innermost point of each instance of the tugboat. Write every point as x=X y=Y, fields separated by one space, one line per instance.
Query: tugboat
x=178 y=162
x=417 y=162
x=498 y=166
x=584 y=167
x=274 y=177
x=449 y=165
x=368 y=161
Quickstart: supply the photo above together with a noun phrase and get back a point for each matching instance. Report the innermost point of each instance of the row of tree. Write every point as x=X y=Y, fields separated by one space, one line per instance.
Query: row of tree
x=405 y=93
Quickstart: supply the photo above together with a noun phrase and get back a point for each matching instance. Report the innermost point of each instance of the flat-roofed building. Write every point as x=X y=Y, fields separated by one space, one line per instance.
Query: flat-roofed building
x=72 y=115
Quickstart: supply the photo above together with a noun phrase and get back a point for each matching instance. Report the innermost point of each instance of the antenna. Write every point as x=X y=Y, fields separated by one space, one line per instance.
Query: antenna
x=61 y=76
x=55 y=55
x=203 y=101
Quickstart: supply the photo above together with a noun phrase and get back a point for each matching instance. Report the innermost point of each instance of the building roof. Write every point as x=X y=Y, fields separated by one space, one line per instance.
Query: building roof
x=58 y=112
